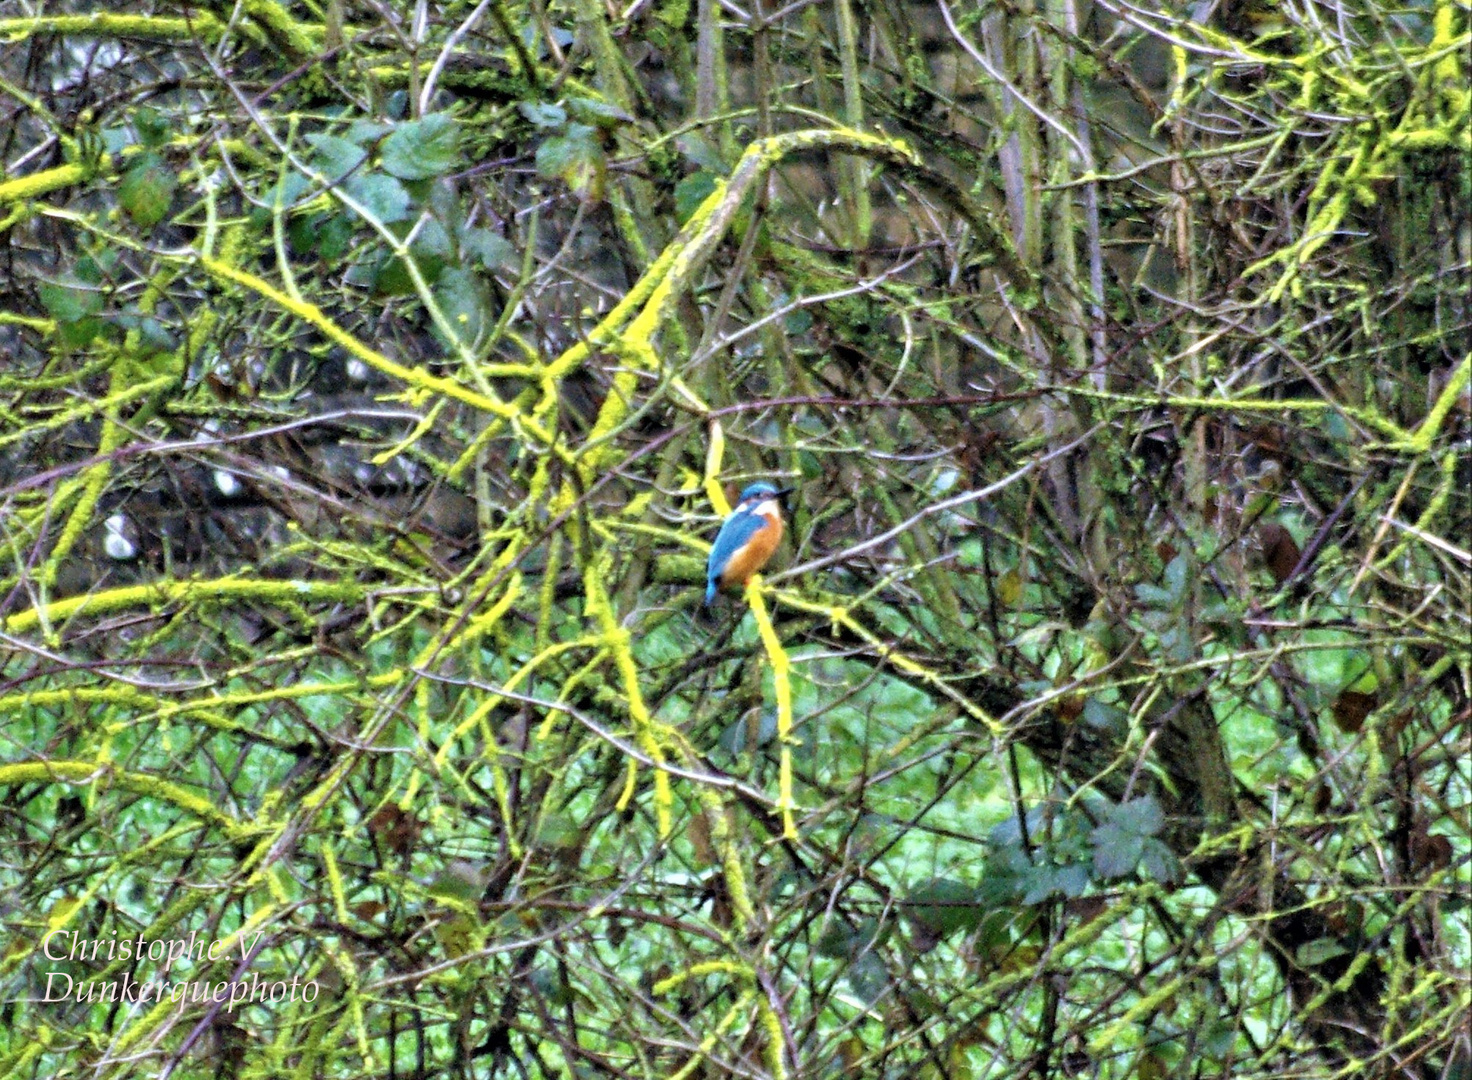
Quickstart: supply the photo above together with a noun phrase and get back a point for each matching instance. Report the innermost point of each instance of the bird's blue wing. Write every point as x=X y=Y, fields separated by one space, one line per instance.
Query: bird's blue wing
x=739 y=528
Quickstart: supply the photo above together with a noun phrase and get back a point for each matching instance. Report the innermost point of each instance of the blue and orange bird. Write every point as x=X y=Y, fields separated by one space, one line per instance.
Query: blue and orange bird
x=747 y=539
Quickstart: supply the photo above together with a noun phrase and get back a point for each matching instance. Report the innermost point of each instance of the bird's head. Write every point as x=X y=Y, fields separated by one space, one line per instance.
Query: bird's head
x=760 y=492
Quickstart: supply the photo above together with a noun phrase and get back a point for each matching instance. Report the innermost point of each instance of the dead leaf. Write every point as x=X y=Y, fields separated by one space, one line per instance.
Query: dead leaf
x=1351 y=708
x=1279 y=550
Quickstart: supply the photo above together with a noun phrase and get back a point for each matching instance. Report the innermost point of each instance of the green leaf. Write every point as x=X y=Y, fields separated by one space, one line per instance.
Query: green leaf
x=602 y=114
x=70 y=301
x=1153 y=595
x=1218 y=1039
x=77 y=334
x=458 y=879
x=691 y=192
x=1176 y=573
x=1104 y=717
x=151 y=333
x=798 y=322
x=302 y=232
x=390 y=277
x=147 y=190
x=754 y=729
x=490 y=249
x=1319 y=951
x=152 y=127
x=116 y=139
x=363 y=273
x=364 y=132
x=291 y=188
x=422 y=149
x=558 y=829
x=1120 y=840
x=543 y=114
x=464 y=299
x=576 y=158
x=701 y=152
x=840 y=940
x=1176 y=639
x=1073 y=880
x=945 y=906
x=382 y=196
x=334 y=237
x=1044 y=880
x=335 y=157
x=1141 y=816
x=1117 y=851
x=1159 y=863
x=552 y=986
x=868 y=978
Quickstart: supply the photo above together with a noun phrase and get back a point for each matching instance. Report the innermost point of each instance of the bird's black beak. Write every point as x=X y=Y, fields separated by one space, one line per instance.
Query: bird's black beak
x=782 y=493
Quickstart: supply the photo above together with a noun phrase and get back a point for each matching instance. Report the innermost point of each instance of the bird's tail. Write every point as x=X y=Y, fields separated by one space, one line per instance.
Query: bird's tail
x=710 y=593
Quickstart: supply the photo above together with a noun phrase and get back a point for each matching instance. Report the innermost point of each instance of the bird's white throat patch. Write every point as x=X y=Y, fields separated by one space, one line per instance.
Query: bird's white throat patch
x=768 y=509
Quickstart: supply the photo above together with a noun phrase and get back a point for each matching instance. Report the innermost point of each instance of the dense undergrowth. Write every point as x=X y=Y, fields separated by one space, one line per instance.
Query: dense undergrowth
x=372 y=377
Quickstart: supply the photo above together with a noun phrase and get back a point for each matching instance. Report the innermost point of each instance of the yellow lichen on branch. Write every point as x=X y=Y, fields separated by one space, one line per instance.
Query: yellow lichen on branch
x=628 y=330
x=413 y=377
x=44 y=182
x=782 y=687
x=105 y=773
x=615 y=638
x=159 y=593
x=200 y=26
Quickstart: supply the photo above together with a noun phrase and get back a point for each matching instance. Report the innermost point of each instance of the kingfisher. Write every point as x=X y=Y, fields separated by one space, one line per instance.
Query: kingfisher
x=747 y=539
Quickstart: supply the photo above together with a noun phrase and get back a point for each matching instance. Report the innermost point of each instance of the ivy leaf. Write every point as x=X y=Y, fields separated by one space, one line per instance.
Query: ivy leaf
x=147 y=190
x=422 y=149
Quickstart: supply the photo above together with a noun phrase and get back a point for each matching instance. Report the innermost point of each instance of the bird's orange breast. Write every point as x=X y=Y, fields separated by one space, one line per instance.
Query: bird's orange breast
x=754 y=554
